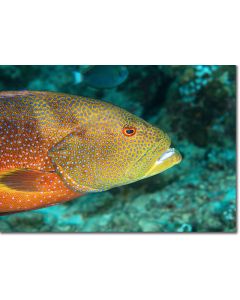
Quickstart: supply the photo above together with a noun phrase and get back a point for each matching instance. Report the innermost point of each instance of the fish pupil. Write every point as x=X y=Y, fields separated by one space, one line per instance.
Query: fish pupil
x=129 y=131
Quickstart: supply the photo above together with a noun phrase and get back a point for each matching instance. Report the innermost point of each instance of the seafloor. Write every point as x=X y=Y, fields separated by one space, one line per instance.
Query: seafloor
x=196 y=106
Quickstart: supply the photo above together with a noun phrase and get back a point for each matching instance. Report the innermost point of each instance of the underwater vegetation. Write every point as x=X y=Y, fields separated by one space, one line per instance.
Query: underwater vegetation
x=195 y=105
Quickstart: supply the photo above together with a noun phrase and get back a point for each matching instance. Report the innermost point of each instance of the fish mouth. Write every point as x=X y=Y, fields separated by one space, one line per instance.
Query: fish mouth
x=170 y=153
x=166 y=160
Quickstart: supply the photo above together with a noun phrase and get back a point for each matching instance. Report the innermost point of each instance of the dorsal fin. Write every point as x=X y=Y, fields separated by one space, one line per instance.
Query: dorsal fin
x=12 y=94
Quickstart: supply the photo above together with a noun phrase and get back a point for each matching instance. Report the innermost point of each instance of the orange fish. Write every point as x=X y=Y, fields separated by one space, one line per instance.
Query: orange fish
x=55 y=147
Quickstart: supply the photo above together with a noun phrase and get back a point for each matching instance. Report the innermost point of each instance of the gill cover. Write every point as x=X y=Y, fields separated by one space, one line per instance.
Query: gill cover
x=73 y=158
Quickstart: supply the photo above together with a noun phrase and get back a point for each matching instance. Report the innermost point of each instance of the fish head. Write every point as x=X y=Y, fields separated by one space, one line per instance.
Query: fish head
x=143 y=150
x=114 y=149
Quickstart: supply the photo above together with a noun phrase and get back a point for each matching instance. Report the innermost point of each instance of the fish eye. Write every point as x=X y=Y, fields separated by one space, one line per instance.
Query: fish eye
x=129 y=131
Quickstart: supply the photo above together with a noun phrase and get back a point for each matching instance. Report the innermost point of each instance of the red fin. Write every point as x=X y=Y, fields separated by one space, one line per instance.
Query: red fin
x=23 y=190
x=26 y=180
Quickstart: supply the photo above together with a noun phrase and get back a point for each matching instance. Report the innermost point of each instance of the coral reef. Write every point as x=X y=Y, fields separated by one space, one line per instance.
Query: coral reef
x=196 y=105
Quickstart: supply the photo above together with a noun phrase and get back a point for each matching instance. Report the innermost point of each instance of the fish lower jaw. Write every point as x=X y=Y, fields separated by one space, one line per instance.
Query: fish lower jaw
x=170 y=154
x=167 y=159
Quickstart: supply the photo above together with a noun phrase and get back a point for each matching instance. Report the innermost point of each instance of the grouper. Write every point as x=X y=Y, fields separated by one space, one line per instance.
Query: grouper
x=56 y=147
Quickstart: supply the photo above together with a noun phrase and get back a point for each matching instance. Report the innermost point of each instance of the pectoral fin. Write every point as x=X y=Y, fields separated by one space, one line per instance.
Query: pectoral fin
x=25 y=180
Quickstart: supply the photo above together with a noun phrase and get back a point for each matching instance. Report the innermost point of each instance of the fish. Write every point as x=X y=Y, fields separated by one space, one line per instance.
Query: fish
x=55 y=147
x=101 y=77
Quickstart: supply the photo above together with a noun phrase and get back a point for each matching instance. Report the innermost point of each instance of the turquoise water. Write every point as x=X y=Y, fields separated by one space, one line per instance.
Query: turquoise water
x=195 y=105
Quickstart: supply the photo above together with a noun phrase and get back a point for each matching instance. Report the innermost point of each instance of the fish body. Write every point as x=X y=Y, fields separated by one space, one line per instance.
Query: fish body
x=102 y=76
x=55 y=147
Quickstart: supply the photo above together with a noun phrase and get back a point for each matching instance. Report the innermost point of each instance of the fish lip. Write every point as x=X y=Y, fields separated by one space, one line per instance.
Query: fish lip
x=162 y=160
x=166 y=160
x=167 y=154
x=154 y=149
x=171 y=154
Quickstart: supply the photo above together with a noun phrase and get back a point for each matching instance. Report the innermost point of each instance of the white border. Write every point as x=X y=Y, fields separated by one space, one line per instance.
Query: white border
x=159 y=266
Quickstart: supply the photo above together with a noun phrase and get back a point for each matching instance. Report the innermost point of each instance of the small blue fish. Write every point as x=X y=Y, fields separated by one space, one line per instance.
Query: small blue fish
x=102 y=76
